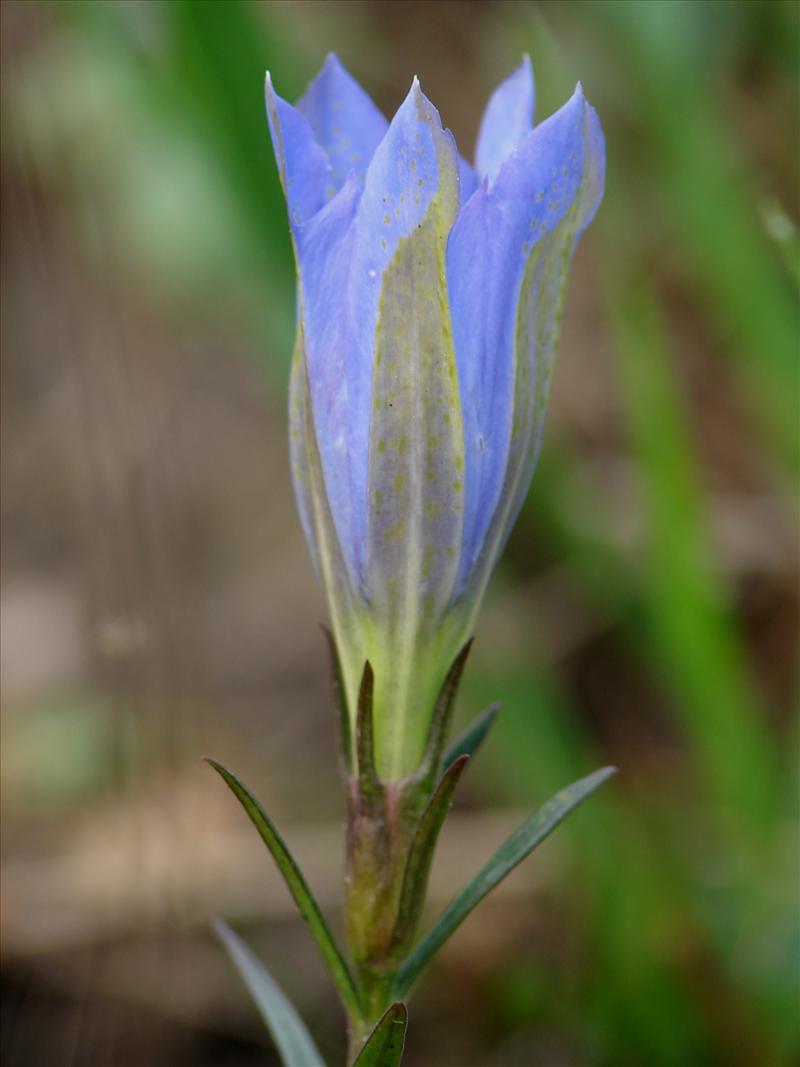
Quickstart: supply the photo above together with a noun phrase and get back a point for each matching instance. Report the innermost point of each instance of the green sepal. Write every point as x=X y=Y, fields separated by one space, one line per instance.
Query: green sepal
x=340 y=703
x=442 y=715
x=385 y=1044
x=292 y=1040
x=468 y=742
x=299 y=889
x=370 y=786
x=519 y=845
x=420 y=856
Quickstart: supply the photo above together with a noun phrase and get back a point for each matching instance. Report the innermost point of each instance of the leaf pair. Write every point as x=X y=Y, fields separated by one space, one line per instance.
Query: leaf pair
x=386 y=1040
x=383 y=1048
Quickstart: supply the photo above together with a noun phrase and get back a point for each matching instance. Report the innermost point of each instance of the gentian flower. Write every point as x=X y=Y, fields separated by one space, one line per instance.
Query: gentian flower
x=429 y=300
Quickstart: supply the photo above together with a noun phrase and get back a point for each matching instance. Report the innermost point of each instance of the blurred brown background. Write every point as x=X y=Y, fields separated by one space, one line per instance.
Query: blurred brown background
x=158 y=603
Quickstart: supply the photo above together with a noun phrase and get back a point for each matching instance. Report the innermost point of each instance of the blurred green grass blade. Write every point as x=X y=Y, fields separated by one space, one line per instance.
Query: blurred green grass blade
x=782 y=231
x=470 y=740
x=692 y=630
x=663 y=50
x=223 y=51
x=384 y=1047
x=292 y=1039
x=193 y=74
x=298 y=887
x=514 y=850
x=567 y=511
x=625 y=884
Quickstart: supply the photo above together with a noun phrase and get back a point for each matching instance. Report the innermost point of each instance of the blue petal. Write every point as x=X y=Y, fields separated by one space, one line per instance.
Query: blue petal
x=303 y=166
x=343 y=253
x=506 y=269
x=324 y=254
x=401 y=181
x=507 y=119
x=467 y=179
x=345 y=121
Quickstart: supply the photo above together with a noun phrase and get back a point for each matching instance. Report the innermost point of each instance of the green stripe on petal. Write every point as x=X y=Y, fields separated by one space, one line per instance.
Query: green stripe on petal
x=416 y=469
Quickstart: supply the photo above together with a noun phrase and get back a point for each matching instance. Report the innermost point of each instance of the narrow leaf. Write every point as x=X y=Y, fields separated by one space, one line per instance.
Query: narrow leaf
x=340 y=702
x=292 y=1039
x=298 y=887
x=521 y=843
x=443 y=713
x=420 y=856
x=468 y=742
x=384 y=1047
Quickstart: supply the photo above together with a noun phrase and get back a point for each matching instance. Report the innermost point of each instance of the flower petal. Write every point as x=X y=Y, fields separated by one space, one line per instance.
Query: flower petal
x=401 y=181
x=415 y=485
x=345 y=121
x=319 y=525
x=303 y=166
x=467 y=180
x=507 y=119
x=506 y=269
x=324 y=250
x=416 y=443
x=299 y=447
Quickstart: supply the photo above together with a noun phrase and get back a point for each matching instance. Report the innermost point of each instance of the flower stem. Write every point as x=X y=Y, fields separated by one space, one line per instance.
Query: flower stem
x=375 y=987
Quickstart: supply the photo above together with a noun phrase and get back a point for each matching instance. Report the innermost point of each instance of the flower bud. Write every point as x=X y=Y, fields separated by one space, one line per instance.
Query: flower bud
x=429 y=299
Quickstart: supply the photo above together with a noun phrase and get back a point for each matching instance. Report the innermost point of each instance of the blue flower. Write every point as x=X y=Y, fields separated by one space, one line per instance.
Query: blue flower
x=429 y=300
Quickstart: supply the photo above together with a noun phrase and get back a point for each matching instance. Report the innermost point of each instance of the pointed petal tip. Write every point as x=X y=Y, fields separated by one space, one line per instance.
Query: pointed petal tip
x=414 y=99
x=526 y=66
x=422 y=104
x=270 y=94
x=333 y=65
x=507 y=119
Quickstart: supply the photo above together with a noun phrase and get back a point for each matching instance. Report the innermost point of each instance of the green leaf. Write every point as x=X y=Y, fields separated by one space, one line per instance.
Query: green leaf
x=299 y=889
x=292 y=1039
x=420 y=856
x=521 y=843
x=468 y=742
x=384 y=1047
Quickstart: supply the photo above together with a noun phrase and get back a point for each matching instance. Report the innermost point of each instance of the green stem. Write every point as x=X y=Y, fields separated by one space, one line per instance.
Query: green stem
x=376 y=992
x=375 y=988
